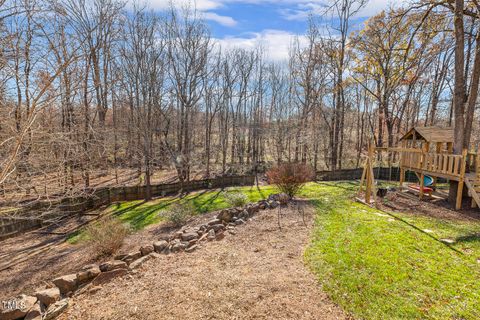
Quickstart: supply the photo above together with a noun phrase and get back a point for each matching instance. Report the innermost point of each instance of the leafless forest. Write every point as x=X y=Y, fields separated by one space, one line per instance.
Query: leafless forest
x=99 y=92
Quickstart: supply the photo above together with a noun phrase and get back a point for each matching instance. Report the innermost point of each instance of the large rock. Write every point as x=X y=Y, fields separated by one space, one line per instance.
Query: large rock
x=56 y=309
x=273 y=197
x=113 y=265
x=160 y=246
x=48 y=296
x=250 y=211
x=132 y=256
x=120 y=256
x=283 y=198
x=214 y=221
x=274 y=204
x=189 y=236
x=204 y=236
x=105 y=277
x=226 y=215
x=35 y=312
x=147 y=249
x=262 y=205
x=179 y=246
x=66 y=283
x=239 y=222
x=244 y=214
x=220 y=235
x=137 y=263
x=17 y=308
x=88 y=274
x=218 y=227
x=178 y=234
x=211 y=235
x=255 y=207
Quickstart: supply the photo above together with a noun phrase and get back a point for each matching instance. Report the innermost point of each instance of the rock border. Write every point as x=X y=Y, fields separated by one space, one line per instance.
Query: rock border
x=49 y=303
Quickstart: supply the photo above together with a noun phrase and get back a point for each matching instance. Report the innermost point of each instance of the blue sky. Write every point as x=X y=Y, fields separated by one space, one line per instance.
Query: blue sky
x=271 y=23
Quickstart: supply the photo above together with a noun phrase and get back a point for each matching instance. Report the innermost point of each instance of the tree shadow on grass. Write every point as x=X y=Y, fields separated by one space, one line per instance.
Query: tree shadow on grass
x=208 y=204
x=422 y=231
x=469 y=238
x=142 y=214
x=353 y=185
x=326 y=206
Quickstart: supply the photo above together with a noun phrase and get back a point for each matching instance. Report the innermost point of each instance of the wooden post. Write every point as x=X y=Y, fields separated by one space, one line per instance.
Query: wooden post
x=364 y=175
x=426 y=146
x=402 y=178
x=422 y=184
x=477 y=175
x=421 y=166
x=368 y=190
x=369 y=173
x=450 y=147
x=438 y=150
x=458 y=204
x=402 y=170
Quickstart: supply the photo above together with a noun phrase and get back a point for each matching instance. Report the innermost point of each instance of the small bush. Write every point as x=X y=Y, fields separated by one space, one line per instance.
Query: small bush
x=106 y=236
x=236 y=198
x=179 y=213
x=289 y=178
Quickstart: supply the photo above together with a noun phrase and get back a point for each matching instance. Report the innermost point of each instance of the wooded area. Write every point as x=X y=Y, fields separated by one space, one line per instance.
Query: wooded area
x=95 y=88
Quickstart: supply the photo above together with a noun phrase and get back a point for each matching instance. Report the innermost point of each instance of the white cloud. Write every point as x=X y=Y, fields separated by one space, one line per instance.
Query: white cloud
x=302 y=9
x=299 y=8
x=223 y=20
x=275 y=43
x=201 y=5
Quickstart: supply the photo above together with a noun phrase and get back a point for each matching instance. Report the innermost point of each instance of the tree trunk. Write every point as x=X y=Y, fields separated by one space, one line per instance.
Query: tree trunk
x=459 y=90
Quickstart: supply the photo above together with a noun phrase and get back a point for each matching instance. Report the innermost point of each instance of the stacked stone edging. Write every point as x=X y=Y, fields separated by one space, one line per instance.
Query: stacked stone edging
x=49 y=303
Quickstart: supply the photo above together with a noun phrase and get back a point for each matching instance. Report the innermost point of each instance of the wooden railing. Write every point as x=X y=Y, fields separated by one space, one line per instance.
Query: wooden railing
x=472 y=164
x=448 y=165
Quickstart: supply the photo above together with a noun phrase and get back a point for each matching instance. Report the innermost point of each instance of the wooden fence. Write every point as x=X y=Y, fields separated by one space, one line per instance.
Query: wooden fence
x=26 y=218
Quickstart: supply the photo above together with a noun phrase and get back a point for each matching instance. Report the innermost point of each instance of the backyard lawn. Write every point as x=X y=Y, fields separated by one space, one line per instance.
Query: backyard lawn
x=379 y=265
x=374 y=264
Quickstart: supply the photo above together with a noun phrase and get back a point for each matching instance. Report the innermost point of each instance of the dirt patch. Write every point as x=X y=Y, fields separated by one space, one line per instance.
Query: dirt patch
x=29 y=259
x=436 y=208
x=42 y=255
x=257 y=273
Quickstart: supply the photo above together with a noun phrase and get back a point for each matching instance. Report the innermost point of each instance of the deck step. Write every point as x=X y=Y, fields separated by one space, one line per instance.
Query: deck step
x=473 y=191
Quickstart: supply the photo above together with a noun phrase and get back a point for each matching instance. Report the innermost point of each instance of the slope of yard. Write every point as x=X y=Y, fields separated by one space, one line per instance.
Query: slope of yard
x=255 y=273
x=33 y=257
x=422 y=263
x=381 y=265
x=140 y=214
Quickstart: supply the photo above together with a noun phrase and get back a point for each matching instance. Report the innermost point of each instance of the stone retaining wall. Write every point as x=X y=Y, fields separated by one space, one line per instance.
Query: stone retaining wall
x=50 y=301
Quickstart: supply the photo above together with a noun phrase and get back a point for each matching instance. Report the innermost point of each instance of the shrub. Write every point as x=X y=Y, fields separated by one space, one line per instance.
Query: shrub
x=289 y=178
x=106 y=236
x=236 y=198
x=179 y=213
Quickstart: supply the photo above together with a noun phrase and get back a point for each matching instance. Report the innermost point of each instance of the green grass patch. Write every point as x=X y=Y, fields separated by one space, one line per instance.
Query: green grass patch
x=139 y=214
x=393 y=266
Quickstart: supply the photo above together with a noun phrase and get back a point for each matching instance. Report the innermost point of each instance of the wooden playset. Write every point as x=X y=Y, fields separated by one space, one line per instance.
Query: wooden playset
x=428 y=152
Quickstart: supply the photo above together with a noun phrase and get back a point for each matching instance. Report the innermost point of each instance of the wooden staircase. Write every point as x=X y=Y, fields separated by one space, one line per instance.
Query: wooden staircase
x=473 y=184
x=473 y=191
